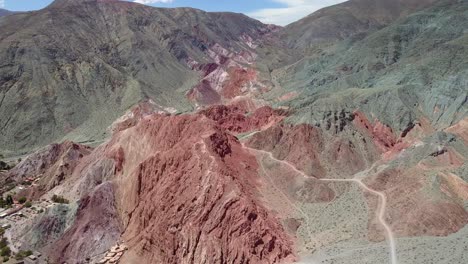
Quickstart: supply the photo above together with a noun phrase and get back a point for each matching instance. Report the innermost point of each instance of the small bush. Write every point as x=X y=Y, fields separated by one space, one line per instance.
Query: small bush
x=5 y=252
x=22 y=200
x=23 y=254
x=6 y=259
x=3 y=242
x=28 y=204
x=4 y=166
x=59 y=199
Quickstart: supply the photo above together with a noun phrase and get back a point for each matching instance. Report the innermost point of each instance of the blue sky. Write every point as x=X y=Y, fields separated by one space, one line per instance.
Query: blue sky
x=280 y=12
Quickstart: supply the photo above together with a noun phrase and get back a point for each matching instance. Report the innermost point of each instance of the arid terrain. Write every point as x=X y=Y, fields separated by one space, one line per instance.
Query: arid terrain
x=134 y=134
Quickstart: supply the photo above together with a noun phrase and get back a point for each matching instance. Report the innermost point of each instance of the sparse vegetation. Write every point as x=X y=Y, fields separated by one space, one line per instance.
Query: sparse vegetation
x=22 y=200
x=5 y=251
x=28 y=204
x=26 y=183
x=59 y=199
x=3 y=242
x=7 y=185
x=4 y=165
x=5 y=203
x=23 y=254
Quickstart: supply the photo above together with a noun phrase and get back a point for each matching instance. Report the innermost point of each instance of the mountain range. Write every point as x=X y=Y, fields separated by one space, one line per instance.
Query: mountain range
x=186 y=136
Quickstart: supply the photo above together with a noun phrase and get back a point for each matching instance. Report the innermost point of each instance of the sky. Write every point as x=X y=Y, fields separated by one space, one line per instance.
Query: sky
x=279 y=12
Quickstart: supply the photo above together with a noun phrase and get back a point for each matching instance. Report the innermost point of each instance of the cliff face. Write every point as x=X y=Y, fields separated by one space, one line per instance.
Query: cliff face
x=194 y=200
x=185 y=191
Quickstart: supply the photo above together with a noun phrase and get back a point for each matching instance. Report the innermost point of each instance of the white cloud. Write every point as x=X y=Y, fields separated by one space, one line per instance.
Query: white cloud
x=152 y=1
x=2 y=3
x=294 y=10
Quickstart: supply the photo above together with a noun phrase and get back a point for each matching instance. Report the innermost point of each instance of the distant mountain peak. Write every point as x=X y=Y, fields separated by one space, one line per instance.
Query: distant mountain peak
x=4 y=12
x=58 y=3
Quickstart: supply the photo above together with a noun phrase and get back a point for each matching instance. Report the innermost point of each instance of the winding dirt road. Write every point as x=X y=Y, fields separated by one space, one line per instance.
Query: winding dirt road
x=357 y=179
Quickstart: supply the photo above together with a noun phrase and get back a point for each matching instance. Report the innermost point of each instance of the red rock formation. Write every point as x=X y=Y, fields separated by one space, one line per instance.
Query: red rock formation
x=386 y=140
x=235 y=119
x=135 y=114
x=299 y=145
x=238 y=82
x=185 y=191
x=230 y=76
x=382 y=135
x=194 y=199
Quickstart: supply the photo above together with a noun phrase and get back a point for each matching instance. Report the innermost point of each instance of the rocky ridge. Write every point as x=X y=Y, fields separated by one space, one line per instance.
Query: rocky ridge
x=265 y=170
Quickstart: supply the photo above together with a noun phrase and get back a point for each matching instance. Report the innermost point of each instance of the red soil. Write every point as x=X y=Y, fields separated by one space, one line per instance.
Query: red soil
x=410 y=211
x=235 y=119
x=185 y=192
x=238 y=79
x=135 y=114
x=460 y=129
x=382 y=135
x=299 y=145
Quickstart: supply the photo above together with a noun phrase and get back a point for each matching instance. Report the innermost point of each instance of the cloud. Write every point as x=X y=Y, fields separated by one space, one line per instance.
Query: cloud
x=152 y=1
x=293 y=10
x=2 y=3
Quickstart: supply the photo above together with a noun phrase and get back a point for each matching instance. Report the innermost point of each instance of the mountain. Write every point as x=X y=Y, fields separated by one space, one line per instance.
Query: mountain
x=4 y=12
x=213 y=138
x=76 y=79
x=401 y=63
x=348 y=19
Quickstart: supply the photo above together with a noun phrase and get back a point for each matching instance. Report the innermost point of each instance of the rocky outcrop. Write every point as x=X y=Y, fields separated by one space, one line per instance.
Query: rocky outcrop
x=300 y=145
x=366 y=118
x=231 y=76
x=48 y=167
x=191 y=198
x=177 y=189
x=96 y=228
x=239 y=120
